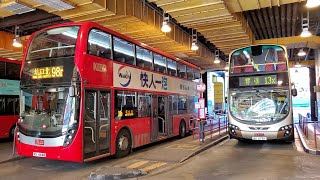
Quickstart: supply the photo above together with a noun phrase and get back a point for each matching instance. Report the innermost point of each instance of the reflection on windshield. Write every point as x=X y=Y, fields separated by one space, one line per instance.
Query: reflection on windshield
x=259 y=106
x=50 y=109
x=53 y=43
x=272 y=58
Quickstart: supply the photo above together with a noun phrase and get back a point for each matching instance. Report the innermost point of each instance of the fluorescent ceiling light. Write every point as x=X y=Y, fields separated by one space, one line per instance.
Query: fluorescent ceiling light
x=17 y=42
x=313 y=3
x=194 y=47
x=305 y=33
x=301 y=53
x=16 y=8
x=216 y=60
x=56 y=4
x=165 y=27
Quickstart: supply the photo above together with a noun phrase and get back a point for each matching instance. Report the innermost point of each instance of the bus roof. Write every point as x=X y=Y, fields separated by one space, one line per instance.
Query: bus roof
x=91 y=25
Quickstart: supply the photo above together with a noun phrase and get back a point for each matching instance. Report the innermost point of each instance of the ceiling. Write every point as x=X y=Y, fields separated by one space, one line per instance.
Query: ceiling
x=221 y=25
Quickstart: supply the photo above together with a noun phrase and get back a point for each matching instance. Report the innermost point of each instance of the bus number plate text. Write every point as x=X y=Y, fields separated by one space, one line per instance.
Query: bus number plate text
x=38 y=154
x=259 y=138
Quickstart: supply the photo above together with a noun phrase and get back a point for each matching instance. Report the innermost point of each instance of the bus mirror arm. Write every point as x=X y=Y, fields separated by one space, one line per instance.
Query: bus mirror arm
x=72 y=91
x=294 y=91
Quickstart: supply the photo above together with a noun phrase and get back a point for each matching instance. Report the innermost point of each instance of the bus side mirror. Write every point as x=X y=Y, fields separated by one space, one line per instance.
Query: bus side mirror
x=225 y=100
x=72 y=91
x=294 y=92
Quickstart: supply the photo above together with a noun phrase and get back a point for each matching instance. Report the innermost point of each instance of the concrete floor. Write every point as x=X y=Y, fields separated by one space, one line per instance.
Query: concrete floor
x=246 y=161
x=229 y=160
x=151 y=158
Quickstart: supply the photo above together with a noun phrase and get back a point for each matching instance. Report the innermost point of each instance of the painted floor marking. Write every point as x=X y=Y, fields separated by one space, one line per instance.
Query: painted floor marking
x=184 y=146
x=153 y=166
x=137 y=164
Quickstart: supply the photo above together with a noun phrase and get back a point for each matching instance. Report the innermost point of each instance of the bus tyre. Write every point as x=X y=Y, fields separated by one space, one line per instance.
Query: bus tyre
x=182 y=129
x=123 y=143
x=11 y=133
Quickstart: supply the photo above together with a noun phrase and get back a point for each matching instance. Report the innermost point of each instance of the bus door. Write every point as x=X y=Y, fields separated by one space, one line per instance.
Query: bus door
x=162 y=115
x=96 y=123
x=154 y=118
x=170 y=112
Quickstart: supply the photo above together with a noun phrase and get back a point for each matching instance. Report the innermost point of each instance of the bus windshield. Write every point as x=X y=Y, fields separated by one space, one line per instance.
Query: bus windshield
x=53 y=43
x=259 y=106
x=46 y=112
x=261 y=58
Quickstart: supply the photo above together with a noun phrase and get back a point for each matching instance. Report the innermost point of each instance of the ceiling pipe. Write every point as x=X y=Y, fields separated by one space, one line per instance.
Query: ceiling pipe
x=249 y=19
x=267 y=22
x=283 y=20
x=263 y=26
x=277 y=18
x=257 y=25
x=307 y=55
x=272 y=22
x=294 y=19
x=289 y=19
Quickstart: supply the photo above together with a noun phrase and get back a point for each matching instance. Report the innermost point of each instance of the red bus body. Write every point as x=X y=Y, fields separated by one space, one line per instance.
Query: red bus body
x=8 y=116
x=98 y=76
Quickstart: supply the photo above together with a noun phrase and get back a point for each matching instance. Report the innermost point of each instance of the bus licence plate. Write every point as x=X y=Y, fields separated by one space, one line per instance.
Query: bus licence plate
x=38 y=154
x=259 y=138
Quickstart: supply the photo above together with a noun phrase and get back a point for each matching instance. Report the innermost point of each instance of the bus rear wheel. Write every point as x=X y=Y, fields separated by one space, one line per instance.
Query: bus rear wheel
x=123 y=143
x=182 y=129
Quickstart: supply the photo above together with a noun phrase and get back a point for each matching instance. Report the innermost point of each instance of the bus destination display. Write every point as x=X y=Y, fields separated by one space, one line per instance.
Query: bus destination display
x=48 y=72
x=258 y=80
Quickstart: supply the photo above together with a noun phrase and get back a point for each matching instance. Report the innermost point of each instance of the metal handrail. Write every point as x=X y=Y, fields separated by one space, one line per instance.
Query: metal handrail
x=212 y=122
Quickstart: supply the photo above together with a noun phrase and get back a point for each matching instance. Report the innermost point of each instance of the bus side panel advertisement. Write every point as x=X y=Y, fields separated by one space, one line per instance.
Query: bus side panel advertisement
x=128 y=77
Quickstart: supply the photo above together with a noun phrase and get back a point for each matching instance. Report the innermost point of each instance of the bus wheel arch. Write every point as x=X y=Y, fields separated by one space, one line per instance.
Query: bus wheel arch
x=182 y=128
x=124 y=142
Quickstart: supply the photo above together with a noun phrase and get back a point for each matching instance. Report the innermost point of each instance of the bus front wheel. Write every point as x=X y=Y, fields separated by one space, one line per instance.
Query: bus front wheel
x=182 y=129
x=123 y=143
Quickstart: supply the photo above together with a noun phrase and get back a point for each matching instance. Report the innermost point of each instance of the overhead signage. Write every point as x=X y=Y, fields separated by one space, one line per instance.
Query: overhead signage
x=258 y=80
x=47 y=72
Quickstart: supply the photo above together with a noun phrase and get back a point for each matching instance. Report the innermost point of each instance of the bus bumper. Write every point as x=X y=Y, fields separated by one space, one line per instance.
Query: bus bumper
x=286 y=135
x=70 y=153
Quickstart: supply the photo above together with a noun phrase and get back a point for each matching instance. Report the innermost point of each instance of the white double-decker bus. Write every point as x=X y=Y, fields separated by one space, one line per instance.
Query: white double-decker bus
x=260 y=103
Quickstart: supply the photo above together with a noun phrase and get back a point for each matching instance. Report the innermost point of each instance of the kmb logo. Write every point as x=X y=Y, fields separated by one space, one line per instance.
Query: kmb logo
x=39 y=141
x=99 y=67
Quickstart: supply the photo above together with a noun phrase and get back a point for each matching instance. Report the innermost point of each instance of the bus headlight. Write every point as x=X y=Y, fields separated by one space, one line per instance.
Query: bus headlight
x=285 y=130
x=233 y=129
x=70 y=133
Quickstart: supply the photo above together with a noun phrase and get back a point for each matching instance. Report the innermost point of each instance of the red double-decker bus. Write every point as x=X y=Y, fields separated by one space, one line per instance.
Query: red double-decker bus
x=88 y=92
x=9 y=96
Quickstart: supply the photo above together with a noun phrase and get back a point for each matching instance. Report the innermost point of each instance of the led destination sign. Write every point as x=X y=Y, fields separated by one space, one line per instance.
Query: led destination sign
x=47 y=72
x=258 y=80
